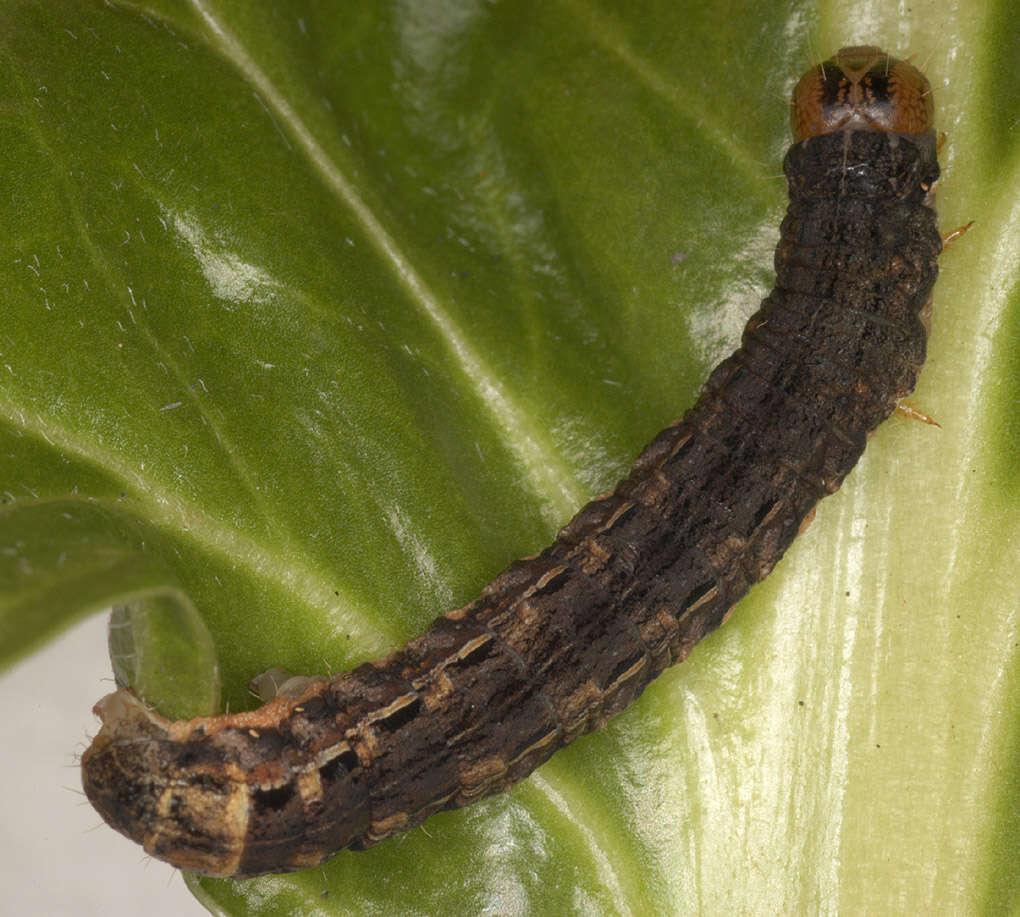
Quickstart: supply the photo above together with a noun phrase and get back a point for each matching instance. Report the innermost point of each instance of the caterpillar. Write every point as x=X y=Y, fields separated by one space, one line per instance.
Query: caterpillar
x=562 y=641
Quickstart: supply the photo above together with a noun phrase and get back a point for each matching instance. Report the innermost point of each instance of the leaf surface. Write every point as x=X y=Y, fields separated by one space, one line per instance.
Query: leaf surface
x=318 y=316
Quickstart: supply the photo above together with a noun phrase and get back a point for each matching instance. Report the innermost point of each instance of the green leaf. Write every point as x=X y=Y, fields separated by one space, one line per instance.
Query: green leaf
x=316 y=316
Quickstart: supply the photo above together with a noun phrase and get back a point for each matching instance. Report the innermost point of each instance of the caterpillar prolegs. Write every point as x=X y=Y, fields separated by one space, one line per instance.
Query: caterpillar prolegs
x=560 y=642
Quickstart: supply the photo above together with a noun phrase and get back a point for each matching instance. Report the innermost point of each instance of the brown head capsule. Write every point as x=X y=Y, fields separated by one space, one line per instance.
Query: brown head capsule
x=862 y=89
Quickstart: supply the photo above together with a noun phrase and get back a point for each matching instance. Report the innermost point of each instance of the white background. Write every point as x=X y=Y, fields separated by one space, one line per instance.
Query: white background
x=56 y=855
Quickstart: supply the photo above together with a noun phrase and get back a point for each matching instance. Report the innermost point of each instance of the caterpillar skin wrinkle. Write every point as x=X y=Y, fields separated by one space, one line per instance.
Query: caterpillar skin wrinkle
x=561 y=642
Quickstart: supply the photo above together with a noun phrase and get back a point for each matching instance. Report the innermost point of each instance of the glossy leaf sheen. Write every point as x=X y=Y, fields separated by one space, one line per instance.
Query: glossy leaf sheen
x=316 y=316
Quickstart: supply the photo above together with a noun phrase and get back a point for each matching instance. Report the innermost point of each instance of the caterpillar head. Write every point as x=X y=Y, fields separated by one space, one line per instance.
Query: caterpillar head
x=862 y=89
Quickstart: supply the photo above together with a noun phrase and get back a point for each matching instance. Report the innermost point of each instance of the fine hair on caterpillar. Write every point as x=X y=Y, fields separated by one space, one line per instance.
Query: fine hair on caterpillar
x=560 y=642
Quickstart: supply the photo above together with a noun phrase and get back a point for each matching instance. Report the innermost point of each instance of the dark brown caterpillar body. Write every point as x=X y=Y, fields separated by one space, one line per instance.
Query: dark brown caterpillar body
x=561 y=642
